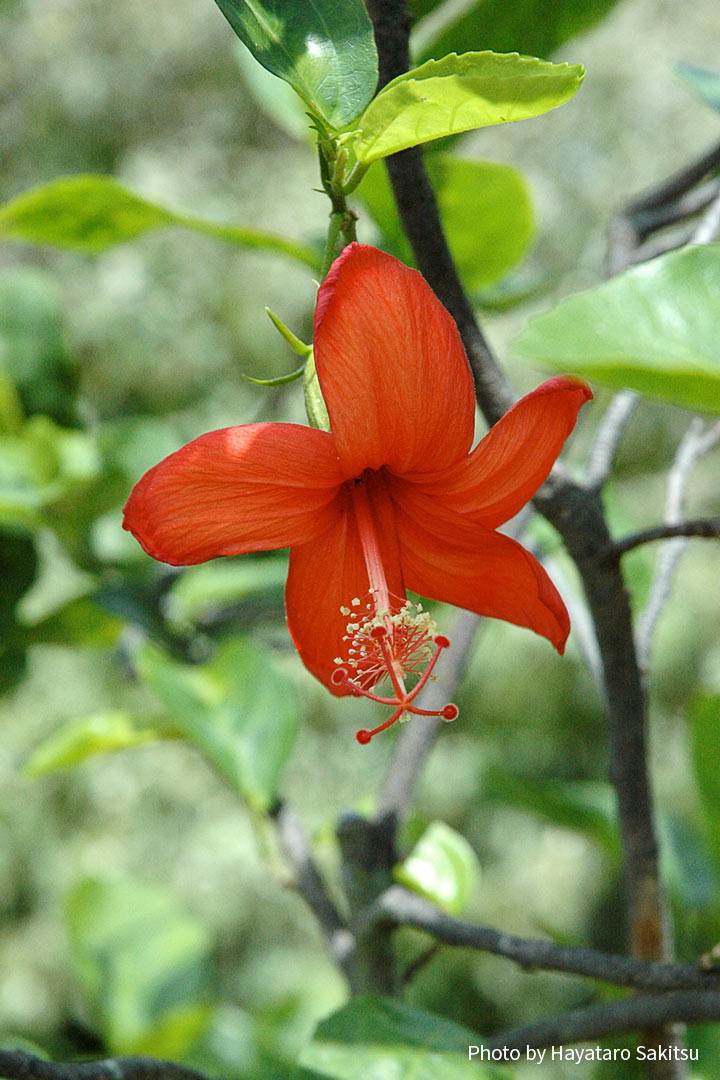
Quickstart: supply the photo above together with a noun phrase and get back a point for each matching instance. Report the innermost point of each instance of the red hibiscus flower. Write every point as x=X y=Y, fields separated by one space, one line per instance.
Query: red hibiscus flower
x=391 y=498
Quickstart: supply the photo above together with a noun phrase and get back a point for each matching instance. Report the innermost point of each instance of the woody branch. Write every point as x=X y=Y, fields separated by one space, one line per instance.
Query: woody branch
x=575 y=511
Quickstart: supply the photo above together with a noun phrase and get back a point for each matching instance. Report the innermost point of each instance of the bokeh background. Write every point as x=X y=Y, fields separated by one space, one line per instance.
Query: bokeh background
x=130 y=353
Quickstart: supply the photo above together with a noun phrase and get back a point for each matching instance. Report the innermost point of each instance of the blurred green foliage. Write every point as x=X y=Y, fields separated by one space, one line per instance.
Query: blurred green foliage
x=142 y=903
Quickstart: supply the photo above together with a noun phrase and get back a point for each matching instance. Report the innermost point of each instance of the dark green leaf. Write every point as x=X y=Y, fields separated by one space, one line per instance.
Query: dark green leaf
x=141 y=962
x=238 y=710
x=534 y=27
x=448 y=96
x=390 y=1040
x=324 y=49
x=705 y=724
x=18 y=560
x=32 y=348
x=93 y=213
x=653 y=329
x=705 y=83
x=485 y=208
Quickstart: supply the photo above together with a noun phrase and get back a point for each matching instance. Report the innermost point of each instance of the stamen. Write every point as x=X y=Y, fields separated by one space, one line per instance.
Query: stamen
x=402 y=703
x=388 y=638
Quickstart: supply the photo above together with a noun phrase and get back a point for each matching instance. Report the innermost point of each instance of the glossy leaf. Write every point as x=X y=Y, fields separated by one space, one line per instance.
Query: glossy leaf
x=92 y=213
x=703 y=82
x=237 y=710
x=325 y=50
x=535 y=27
x=141 y=962
x=391 y=1040
x=486 y=212
x=442 y=867
x=653 y=329
x=75 y=742
x=448 y=96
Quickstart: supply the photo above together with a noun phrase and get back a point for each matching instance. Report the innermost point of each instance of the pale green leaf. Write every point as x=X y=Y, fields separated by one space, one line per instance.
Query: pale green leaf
x=448 y=96
x=653 y=328
x=92 y=213
x=83 y=738
x=324 y=49
x=141 y=962
x=442 y=867
x=485 y=208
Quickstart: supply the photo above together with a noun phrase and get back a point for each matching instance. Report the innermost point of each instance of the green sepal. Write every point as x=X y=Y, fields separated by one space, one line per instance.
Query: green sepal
x=293 y=341
x=279 y=380
x=315 y=406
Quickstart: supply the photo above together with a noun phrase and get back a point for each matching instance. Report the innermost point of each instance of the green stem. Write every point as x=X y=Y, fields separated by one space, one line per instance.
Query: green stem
x=341 y=229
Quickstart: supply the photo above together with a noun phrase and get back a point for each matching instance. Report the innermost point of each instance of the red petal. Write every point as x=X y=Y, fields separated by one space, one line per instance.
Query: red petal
x=328 y=573
x=511 y=462
x=391 y=367
x=240 y=489
x=445 y=557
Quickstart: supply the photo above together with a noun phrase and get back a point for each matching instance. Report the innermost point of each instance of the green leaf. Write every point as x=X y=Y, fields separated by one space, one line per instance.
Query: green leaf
x=534 y=27
x=41 y=464
x=442 y=866
x=705 y=721
x=32 y=348
x=390 y=1040
x=652 y=328
x=93 y=213
x=237 y=709
x=75 y=742
x=448 y=96
x=703 y=82
x=19 y=562
x=485 y=208
x=80 y=623
x=141 y=962
x=325 y=50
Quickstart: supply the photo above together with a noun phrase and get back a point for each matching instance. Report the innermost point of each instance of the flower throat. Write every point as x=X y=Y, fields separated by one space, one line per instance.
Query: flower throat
x=386 y=638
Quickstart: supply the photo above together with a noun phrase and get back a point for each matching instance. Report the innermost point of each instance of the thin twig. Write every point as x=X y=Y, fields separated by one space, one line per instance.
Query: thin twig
x=405 y=908
x=696 y=442
x=599 y=1021
x=677 y=184
x=607 y=437
x=311 y=886
x=707 y=528
x=708 y=228
x=18 y=1065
